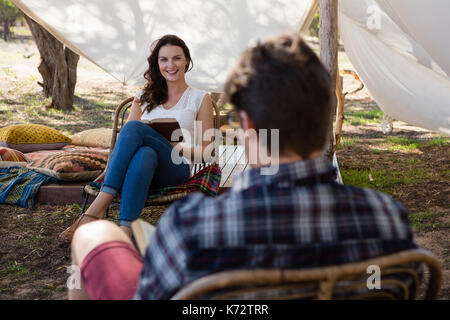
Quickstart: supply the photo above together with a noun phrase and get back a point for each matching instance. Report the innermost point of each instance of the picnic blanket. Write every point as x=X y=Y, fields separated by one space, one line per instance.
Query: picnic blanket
x=206 y=180
x=20 y=185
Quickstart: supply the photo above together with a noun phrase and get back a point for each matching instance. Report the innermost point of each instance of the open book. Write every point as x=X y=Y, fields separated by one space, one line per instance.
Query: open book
x=142 y=230
x=165 y=126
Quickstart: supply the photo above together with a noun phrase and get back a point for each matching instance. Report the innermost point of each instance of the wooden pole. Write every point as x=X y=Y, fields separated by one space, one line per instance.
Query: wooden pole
x=340 y=111
x=309 y=18
x=328 y=36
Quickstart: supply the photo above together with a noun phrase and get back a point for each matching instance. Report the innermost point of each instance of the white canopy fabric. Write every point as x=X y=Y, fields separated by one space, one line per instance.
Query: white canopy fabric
x=404 y=58
x=116 y=34
x=404 y=61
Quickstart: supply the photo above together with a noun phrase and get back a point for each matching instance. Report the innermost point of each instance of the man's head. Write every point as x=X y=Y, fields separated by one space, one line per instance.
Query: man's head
x=281 y=84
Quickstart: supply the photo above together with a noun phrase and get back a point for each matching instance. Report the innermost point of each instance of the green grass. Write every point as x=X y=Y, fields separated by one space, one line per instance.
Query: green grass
x=413 y=175
x=425 y=221
x=382 y=181
x=16 y=272
x=363 y=117
x=32 y=108
x=6 y=71
x=20 y=31
x=438 y=141
x=19 y=273
x=227 y=107
x=362 y=178
x=67 y=211
x=413 y=161
x=445 y=173
x=374 y=114
x=6 y=114
x=38 y=238
x=49 y=289
x=398 y=144
x=347 y=142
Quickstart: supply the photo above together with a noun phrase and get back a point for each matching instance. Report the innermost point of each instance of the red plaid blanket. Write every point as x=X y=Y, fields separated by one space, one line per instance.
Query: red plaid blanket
x=206 y=180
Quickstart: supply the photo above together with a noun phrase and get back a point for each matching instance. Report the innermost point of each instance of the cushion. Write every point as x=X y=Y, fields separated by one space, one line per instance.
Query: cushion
x=100 y=137
x=72 y=165
x=10 y=164
x=8 y=154
x=32 y=137
x=37 y=155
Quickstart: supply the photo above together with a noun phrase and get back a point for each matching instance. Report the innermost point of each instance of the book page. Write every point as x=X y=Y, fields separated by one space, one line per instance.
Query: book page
x=163 y=120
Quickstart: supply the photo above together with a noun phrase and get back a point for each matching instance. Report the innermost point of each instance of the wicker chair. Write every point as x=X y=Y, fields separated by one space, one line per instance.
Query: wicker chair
x=119 y=121
x=400 y=280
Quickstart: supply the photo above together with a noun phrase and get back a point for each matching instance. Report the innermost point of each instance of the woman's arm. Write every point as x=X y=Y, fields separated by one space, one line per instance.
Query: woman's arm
x=135 y=112
x=206 y=116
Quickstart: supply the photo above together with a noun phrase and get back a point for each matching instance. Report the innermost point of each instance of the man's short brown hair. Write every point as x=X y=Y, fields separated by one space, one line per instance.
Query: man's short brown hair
x=282 y=84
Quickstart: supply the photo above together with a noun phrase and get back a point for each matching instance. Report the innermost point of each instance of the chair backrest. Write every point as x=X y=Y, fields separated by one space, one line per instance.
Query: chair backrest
x=400 y=277
x=119 y=118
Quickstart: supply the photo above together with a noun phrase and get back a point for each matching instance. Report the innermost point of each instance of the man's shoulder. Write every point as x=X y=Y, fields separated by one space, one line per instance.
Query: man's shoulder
x=198 y=204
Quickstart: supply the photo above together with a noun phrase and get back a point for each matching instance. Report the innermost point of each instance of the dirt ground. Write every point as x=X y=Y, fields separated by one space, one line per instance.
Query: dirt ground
x=411 y=164
x=425 y=191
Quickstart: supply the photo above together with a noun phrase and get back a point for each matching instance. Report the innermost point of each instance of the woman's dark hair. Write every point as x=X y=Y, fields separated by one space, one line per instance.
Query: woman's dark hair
x=155 y=90
x=282 y=84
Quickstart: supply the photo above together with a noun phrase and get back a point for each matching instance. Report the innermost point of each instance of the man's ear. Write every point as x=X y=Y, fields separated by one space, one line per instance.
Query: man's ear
x=246 y=122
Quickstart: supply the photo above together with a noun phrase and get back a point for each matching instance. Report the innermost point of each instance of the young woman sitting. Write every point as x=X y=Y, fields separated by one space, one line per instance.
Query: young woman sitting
x=142 y=158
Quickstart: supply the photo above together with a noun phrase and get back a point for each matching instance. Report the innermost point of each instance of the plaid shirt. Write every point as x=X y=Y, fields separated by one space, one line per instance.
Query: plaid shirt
x=300 y=217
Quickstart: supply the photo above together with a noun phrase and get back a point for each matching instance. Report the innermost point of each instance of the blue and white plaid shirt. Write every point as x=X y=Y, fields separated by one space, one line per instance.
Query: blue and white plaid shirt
x=300 y=217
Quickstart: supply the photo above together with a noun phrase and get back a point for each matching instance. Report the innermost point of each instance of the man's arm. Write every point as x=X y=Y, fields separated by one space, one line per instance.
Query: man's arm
x=165 y=262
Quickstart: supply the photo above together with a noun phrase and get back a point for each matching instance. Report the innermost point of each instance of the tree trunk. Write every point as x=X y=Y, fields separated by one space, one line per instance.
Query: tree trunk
x=5 y=30
x=58 y=67
x=328 y=35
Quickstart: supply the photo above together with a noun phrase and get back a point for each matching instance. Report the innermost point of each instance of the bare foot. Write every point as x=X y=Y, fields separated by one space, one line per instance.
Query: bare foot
x=66 y=235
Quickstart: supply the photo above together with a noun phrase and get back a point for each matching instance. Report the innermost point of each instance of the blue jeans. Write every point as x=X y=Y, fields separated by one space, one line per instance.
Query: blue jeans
x=141 y=159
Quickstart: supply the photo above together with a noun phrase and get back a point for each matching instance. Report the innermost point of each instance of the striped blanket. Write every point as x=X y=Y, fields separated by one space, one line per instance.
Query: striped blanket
x=20 y=185
x=206 y=180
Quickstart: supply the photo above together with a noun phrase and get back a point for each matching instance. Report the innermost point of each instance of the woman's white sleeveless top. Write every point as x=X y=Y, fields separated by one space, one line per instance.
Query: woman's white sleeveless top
x=185 y=111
